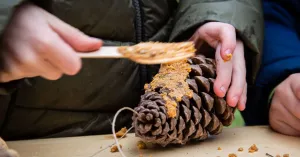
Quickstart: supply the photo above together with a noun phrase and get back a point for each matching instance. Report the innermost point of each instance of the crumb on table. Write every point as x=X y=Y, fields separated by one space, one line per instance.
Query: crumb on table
x=286 y=155
x=219 y=148
x=253 y=149
x=141 y=145
x=115 y=148
x=232 y=155
x=121 y=132
x=241 y=149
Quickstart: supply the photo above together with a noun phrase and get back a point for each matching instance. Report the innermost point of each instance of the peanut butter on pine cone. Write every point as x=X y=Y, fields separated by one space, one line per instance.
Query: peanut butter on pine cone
x=179 y=104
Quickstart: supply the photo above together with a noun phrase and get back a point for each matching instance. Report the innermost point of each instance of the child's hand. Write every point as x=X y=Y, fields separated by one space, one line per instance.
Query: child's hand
x=36 y=43
x=284 y=113
x=230 y=61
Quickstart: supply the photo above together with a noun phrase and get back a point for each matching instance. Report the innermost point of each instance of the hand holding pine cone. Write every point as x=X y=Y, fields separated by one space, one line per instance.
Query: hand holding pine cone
x=179 y=105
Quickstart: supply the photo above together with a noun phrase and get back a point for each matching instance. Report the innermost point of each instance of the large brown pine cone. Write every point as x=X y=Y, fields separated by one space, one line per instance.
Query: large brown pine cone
x=197 y=117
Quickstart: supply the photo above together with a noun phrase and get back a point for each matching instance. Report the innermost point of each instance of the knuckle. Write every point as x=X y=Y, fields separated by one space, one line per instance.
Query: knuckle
x=28 y=59
x=46 y=41
x=43 y=43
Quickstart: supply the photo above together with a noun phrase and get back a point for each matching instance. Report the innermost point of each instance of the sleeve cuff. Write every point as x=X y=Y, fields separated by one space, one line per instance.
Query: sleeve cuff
x=271 y=96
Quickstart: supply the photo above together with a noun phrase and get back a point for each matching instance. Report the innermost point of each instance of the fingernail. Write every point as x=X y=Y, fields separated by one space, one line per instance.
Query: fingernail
x=228 y=54
x=223 y=89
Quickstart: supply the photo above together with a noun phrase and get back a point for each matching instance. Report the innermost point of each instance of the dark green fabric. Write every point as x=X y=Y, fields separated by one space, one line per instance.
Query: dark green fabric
x=6 y=9
x=85 y=104
x=245 y=15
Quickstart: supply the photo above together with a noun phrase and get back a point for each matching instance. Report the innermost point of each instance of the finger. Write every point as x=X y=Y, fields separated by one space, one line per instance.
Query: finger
x=224 y=72
x=295 y=85
x=228 y=41
x=283 y=127
x=243 y=99
x=33 y=64
x=75 y=38
x=49 y=71
x=238 y=76
x=217 y=32
x=281 y=118
x=41 y=67
x=59 y=54
x=294 y=108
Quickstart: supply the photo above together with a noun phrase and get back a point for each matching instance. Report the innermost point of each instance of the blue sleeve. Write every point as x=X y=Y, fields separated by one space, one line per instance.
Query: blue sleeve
x=281 y=57
x=281 y=53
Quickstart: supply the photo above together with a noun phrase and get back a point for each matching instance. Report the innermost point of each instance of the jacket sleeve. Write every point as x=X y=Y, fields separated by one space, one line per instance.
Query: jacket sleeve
x=6 y=10
x=6 y=89
x=245 y=15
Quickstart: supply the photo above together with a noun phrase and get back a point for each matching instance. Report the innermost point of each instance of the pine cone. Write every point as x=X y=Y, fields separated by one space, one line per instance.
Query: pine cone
x=197 y=112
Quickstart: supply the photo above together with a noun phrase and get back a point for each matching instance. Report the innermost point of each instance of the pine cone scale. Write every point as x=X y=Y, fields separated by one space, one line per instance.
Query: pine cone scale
x=197 y=115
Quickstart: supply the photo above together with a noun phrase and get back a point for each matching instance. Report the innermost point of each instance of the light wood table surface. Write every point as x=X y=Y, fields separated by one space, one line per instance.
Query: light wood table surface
x=229 y=141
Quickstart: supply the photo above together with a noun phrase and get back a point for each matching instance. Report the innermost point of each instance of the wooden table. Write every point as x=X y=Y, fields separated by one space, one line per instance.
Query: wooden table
x=229 y=141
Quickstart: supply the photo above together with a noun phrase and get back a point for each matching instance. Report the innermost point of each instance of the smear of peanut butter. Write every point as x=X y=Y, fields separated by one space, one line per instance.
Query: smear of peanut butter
x=172 y=77
x=229 y=56
x=156 y=50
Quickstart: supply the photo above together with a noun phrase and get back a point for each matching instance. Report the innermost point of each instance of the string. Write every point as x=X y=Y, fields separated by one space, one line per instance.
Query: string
x=112 y=143
x=114 y=132
x=113 y=127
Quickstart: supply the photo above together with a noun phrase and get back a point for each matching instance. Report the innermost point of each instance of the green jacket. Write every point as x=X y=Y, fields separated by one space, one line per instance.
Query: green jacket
x=86 y=103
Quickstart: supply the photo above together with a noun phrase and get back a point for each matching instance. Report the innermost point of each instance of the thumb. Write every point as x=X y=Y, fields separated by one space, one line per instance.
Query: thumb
x=75 y=38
